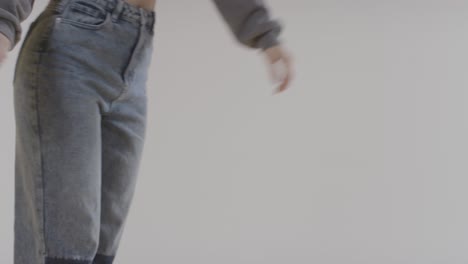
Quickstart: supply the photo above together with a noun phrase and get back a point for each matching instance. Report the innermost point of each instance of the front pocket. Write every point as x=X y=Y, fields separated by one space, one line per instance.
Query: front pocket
x=84 y=14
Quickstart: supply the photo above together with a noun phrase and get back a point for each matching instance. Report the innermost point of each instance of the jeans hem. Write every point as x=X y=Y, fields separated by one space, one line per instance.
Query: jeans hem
x=65 y=260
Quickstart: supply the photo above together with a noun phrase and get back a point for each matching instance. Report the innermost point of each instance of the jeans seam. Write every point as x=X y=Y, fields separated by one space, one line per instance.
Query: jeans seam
x=41 y=162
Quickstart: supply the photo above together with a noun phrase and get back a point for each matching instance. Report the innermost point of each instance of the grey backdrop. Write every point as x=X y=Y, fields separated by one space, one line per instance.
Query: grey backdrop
x=362 y=161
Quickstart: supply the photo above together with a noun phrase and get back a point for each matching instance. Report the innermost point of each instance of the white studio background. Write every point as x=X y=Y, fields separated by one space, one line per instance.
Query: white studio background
x=362 y=161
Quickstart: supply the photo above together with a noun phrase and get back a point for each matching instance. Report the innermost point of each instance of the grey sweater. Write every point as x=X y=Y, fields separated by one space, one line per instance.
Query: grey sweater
x=248 y=20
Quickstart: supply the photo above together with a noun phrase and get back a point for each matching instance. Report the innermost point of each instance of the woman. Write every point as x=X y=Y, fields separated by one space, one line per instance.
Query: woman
x=80 y=111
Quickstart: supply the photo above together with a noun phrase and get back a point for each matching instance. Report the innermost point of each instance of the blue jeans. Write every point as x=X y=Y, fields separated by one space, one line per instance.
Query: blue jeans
x=80 y=110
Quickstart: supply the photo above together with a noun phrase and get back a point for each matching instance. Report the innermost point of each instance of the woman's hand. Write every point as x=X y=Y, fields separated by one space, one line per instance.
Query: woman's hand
x=277 y=56
x=4 y=47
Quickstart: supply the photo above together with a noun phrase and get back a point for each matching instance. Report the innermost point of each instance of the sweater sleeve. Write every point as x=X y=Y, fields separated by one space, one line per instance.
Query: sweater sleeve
x=250 y=22
x=12 y=13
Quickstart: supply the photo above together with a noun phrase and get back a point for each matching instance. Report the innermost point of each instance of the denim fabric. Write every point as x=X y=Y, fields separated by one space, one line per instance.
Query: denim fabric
x=80 y=110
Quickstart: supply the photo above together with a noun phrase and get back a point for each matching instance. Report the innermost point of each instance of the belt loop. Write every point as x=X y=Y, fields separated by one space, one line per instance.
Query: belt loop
x=142 y=17
x=60 y=5
x=117 y=9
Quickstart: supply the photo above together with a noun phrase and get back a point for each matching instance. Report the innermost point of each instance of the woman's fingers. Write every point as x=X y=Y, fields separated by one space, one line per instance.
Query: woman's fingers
x=280 y=66
x=285 y=75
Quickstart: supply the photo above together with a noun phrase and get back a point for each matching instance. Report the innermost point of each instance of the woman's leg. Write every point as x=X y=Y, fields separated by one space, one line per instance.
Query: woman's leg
x=58 y=158
x=80 y=109
x=123 y=135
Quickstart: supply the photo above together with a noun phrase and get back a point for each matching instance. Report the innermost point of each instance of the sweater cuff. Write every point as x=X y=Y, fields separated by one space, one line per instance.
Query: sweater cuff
x=271 y=37
x=268 y=40
x=7 y=29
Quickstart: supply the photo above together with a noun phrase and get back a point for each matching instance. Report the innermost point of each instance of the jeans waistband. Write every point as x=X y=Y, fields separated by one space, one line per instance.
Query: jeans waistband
x=119 y=8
